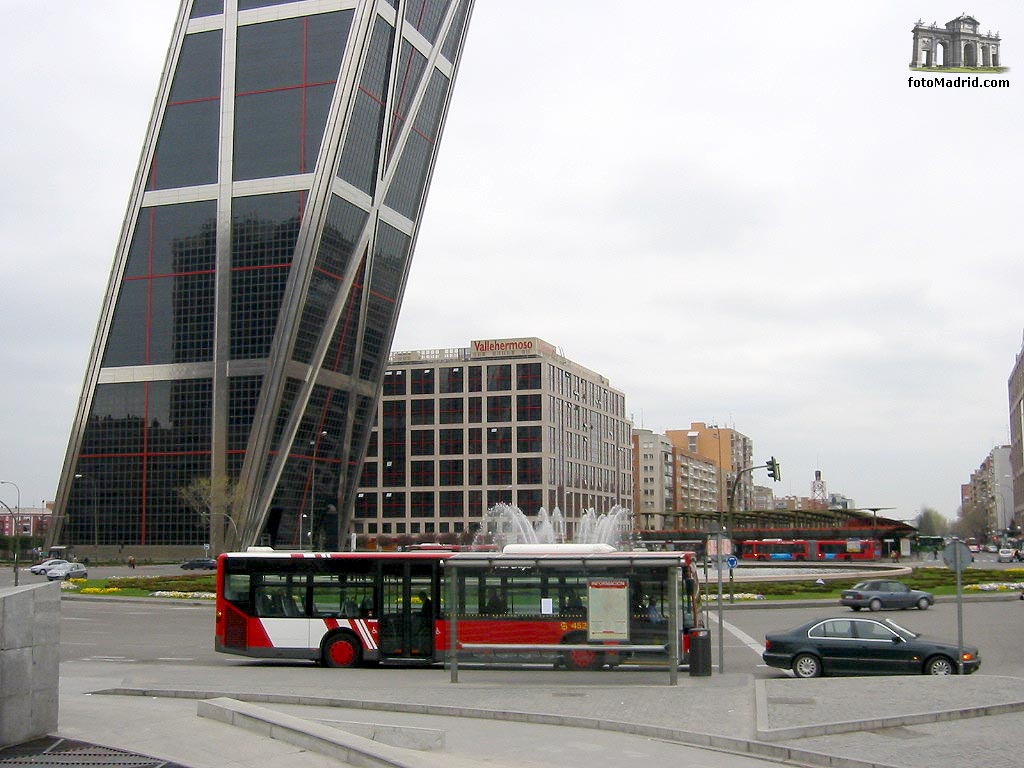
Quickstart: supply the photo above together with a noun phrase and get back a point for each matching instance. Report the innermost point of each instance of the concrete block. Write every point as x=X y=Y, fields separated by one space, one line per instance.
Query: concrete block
x=17 y=671
x=17 y=619
x=45 y=710
x=45 y=667
x=16 y=723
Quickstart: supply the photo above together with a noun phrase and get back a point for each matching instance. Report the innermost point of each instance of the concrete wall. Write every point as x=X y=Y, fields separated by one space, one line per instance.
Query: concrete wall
x=29 y=661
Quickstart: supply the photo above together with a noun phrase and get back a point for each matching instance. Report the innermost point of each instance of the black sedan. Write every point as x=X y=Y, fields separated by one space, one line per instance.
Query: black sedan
x=200 y=563
x=863 y=646
x=885 y=593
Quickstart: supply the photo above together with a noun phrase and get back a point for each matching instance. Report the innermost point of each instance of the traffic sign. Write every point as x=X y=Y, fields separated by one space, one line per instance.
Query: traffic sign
x=957 y=556
x=732 y=561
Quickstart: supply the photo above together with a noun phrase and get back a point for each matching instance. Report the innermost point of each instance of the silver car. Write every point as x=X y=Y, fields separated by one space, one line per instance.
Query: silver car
x=40 y=568
x=67 y=571
x=885 y=593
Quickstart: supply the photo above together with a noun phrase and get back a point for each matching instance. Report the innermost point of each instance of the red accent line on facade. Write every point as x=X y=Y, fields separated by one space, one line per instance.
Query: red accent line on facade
x=193 y=101
x=418 y=132
x=372 y=95
x=172 y=274
x=305 y=81
x=327 y=272
x=389 y=299
x=282 y=88
x=283 y=265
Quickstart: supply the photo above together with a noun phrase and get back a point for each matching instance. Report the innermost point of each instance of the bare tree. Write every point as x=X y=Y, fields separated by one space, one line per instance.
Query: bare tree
x=214 y=500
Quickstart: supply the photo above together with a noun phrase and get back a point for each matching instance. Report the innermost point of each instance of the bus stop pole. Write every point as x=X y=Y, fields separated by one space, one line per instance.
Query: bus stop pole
x=674 y=575
x=453 y=623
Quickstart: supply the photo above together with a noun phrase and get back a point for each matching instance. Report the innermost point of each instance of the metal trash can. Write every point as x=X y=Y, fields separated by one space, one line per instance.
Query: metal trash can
x=700 y=652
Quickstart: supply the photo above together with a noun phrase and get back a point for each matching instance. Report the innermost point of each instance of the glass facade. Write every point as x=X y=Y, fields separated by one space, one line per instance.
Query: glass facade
x=253 y=300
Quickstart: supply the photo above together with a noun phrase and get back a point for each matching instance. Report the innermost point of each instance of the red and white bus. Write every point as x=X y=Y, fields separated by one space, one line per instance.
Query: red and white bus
x=809 y=550
x=346 y=608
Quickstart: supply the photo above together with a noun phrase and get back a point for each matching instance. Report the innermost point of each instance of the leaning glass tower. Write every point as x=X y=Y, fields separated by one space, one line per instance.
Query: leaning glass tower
x=256 y=285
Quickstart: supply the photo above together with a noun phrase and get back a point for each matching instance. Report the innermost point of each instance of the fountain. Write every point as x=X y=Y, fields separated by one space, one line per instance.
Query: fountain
x=506 y=524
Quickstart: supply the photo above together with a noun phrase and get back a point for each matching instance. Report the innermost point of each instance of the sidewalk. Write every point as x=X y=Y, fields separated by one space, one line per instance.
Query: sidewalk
x=907 y=722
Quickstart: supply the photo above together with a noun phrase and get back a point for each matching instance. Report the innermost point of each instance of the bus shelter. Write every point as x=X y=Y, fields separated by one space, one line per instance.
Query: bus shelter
x=599 y=605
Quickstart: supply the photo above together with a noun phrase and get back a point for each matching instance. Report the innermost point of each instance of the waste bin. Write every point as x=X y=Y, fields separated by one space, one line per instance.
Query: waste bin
x=700 y=652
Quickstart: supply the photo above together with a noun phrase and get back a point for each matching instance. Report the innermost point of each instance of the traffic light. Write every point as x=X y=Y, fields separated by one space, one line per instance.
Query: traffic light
x=773 y=469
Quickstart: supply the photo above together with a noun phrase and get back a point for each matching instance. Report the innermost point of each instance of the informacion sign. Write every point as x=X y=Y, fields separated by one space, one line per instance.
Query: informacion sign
x=608 y=609
x=732 y=561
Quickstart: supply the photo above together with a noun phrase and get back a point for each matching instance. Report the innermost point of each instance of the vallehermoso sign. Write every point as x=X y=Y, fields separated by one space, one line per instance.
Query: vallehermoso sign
x=495 y=347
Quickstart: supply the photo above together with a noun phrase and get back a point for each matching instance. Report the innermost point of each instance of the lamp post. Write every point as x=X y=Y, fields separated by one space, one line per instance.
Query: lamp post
x=315 y=442
x=17 y=533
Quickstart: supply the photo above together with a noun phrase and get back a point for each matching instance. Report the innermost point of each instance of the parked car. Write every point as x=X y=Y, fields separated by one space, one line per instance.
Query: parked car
x=67 y=571
x=41 y=568
x=1005 y=556
x=863 y=646
x=991 y=548
x=204 y=563
x=885 y=593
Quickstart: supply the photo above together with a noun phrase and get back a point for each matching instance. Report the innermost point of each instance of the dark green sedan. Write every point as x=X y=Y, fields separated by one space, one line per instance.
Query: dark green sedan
x=863 y=646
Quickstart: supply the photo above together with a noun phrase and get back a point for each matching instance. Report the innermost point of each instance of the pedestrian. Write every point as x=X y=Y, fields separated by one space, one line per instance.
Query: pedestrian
x=131 y=561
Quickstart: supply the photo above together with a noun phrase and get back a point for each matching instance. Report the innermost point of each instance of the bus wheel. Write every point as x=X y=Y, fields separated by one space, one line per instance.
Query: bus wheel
x=341 y=651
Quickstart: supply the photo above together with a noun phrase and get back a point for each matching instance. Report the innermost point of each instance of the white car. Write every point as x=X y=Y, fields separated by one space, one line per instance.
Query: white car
x=1005 y=556
x=67 y=571
x=40 y=569
x=992 y=548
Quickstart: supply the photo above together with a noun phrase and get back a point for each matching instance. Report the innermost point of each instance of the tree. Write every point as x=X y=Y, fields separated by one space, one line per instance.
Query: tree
x=974 y=519
x=930 y=523
x=210 y=498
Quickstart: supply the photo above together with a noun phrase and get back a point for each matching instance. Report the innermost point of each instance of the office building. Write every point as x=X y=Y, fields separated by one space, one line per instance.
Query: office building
x=503 y=420
x=255 y=287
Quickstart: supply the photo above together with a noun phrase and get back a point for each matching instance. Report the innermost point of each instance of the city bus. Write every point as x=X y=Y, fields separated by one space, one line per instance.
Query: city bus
x=809 y=550
x=349 y=608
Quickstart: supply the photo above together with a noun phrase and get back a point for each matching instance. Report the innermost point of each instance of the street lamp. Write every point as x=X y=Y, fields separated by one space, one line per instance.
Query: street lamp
x=315 y=442
x=17 y=533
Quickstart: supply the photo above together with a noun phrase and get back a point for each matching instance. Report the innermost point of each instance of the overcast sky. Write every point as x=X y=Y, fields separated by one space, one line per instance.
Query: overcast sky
x=737 y=212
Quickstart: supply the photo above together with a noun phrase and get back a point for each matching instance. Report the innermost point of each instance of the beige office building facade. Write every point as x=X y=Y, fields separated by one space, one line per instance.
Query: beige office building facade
x=512 y=420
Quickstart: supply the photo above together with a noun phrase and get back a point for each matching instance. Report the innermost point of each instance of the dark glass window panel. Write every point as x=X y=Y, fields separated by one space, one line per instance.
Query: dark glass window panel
x=368 y=477
x=450 y=380
x=371 y=444
x=528 y=407
x=450 y=441
x=361 y=152
x=198 y=74
x=343 y=227
x=450 y=471
x=422 y=473
x=341 y=354
x=451 y=410
x=422 y=412
x=454 y=38
x=202 y=8
x=411 y=66
x=164 y=312
x=127 y=340
x=426 y=16
x=451 y=503
x=499 y=440
x=529 y=470
x=499 y=471
x=394 y=382
x=244 y=394
x=180 y=414
x=474 y=441
x=386 y=276
x=475 y=378
x=284 y=83
x=116 y=421
x=528 y=376
x=474 y=472
x=186 y=152
x=244 y=5
x=422 y=503
x=499 y=378
x=475 y=410
x=422 y=442
x=393 y=471
x=366 y=505
x=264 y=231
x=394 y=413
x=394 y=505
x=423 y=381
x=529 y=439
x=530 y=500
x=499 y=408
x=406 y=191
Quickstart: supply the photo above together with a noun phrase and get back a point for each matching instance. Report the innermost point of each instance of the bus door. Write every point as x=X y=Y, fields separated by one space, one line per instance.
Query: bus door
x=408 y=595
